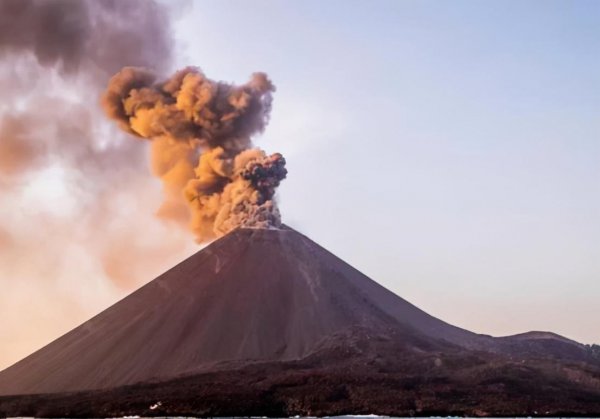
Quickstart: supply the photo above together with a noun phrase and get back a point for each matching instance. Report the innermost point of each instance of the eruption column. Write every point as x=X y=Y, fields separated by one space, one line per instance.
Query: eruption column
x=213 y=177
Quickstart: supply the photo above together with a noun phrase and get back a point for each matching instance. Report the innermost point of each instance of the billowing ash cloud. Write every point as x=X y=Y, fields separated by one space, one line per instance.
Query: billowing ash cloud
x=201 y=146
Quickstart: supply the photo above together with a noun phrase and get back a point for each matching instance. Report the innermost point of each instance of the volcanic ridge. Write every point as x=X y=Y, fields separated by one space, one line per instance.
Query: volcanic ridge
x=266 y=322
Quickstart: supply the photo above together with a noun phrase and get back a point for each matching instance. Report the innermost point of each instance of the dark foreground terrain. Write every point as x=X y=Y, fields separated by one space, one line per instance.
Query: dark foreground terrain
x=267 y=323
x=373 y=373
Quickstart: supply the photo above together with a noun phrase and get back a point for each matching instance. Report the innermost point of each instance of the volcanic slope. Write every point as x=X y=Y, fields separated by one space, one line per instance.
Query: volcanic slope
x=253 y=295
x=266 y=322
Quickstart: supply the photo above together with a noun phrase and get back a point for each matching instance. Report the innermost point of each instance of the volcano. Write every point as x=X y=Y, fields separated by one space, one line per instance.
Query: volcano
x=266 y=322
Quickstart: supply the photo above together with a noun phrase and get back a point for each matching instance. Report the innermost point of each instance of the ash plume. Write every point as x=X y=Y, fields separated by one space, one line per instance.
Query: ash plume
x=201 y=129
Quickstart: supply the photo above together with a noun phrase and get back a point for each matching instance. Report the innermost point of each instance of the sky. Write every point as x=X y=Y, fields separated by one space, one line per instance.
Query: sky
x=448 y=150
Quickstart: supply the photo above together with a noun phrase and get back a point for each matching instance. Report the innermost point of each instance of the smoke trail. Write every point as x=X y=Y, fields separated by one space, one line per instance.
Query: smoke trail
x=56 y=57
x=44 y=43
x=201 y=146
x=85 y=36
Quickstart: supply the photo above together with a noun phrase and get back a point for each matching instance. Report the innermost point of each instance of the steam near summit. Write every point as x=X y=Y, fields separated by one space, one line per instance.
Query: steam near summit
x=200 y=130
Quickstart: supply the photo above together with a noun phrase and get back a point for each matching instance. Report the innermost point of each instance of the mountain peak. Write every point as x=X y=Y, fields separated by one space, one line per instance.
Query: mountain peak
x=265 y=321
x=254 y=295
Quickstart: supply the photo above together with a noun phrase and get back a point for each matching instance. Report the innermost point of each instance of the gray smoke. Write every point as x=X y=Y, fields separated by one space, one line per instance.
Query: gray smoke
x=84 y=36
x=56 y=57
x=81 y=42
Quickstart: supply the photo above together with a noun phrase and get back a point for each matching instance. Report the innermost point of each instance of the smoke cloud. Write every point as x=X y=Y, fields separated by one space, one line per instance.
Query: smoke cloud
x=96 y=36
x=56 y=57
x=213 y=178
x=18 y=150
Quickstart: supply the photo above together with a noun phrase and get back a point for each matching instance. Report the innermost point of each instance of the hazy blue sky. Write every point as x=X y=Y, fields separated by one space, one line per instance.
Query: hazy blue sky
x=448 y=149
